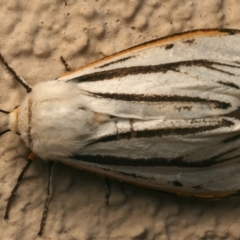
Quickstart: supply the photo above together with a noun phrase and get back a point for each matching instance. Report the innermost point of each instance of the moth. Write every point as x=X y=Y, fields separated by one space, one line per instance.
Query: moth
x=161 y=115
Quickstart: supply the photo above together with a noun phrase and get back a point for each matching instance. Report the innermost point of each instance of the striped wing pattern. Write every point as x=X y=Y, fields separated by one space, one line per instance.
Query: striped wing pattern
x=173 y=103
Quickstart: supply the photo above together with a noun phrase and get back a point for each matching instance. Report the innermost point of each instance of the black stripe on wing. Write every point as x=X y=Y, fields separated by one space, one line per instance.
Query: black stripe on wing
x=157 y=162
x=149 y=69
x=229 y=84
x=160 y=98
x=117 y=61
x=180 y=161
x=150 y=133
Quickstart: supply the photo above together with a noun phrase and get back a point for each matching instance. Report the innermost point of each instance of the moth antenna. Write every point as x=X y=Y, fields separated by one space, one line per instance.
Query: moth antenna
x=68 y=69
x=13 y=193
x=16 y=76
x=49 y=197
x=5 y=112
x=5 y=131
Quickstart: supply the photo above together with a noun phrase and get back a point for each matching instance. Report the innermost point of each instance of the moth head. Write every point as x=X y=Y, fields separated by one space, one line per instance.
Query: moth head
x=18 y=120
x=13 y=120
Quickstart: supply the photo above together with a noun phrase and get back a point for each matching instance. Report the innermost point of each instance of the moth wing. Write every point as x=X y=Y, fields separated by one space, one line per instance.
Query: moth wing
x=193 y=157
x=190 y=75
x=180 y=84
x=179 y=143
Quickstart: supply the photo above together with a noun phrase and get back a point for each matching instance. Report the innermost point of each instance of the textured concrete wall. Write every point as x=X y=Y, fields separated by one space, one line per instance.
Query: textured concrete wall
x=33 y=35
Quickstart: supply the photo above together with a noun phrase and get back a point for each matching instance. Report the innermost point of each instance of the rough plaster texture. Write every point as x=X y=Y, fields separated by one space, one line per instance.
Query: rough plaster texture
x=33 y=35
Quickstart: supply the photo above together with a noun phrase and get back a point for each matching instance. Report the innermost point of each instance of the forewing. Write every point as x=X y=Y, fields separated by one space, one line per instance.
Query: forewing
x=191 y=75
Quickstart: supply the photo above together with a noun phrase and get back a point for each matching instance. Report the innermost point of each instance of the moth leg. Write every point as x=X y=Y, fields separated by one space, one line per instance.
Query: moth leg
x=49 y=197
x=19 y=181
x=68 y=69
x=5 y=112
x=15 y=75
x=107 y=188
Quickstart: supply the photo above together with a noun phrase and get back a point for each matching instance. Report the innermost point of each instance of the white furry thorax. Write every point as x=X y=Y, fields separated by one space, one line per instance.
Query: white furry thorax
x=53 y=123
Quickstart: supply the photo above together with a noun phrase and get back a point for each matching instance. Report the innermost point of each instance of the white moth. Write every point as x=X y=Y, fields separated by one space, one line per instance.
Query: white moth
x=155 y=115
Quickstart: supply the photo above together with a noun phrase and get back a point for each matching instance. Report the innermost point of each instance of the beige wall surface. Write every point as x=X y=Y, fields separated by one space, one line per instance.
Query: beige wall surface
x=33 y=35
